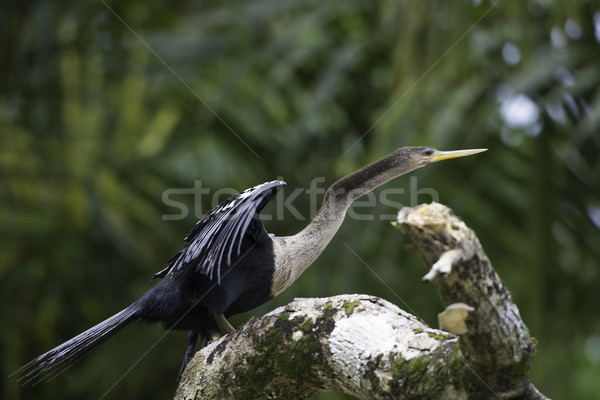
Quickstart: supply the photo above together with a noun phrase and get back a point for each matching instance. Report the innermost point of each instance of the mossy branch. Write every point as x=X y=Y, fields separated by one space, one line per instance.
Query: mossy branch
x=368 y=347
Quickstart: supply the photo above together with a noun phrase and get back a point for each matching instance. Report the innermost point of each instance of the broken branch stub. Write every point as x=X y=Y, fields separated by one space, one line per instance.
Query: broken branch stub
x=496 y=341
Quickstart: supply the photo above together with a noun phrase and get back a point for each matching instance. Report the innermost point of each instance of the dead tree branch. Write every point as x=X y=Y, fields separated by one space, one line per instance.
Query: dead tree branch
x=368 y=347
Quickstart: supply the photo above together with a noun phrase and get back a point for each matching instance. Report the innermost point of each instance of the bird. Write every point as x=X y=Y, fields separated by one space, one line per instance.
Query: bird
x=230 y=264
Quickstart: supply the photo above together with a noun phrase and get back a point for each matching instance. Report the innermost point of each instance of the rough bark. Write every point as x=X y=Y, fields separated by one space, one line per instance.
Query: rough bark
x=368 y=347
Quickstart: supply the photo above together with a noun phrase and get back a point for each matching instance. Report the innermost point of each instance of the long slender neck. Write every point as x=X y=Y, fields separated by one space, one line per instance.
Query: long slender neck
x=351 y=187
x=342 y=193
x=293 y=254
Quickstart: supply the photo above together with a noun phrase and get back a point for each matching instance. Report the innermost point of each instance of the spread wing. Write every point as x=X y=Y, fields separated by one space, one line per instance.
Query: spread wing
x=219 y=233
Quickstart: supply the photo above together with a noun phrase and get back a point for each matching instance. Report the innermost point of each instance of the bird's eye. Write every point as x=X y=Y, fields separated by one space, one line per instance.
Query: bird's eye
x=428 y=152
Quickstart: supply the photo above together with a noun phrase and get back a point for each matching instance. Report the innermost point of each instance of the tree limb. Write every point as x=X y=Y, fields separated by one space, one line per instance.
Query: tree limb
x=368 y=347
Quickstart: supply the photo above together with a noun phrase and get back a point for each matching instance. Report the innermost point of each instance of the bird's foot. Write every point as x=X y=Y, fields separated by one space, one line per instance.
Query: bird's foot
x=223 y=324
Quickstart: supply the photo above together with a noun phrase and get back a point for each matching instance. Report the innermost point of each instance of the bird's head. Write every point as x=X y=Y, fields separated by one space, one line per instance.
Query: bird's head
x=416 y=157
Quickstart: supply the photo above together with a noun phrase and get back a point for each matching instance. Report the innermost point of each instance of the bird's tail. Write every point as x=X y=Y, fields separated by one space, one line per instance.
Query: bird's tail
x=62 y=357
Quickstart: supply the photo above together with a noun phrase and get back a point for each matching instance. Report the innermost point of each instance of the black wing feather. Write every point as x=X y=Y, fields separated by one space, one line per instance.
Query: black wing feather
x=214 y=238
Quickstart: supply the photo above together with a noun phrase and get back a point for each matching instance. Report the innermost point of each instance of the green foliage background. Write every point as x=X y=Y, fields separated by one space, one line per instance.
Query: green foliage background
x=105 y=106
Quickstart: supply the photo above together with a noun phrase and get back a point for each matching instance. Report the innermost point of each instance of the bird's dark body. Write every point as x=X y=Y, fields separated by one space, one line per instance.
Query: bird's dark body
x=185 y=299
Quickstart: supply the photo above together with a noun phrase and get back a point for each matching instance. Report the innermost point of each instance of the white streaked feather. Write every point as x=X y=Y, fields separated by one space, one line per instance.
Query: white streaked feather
x=218 y=236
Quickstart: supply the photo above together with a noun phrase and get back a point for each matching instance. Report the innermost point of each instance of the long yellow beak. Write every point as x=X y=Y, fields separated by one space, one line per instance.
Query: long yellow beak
x=445 y=155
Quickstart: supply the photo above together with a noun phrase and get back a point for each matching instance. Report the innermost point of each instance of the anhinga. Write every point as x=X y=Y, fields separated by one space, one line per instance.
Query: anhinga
x=230 y=264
